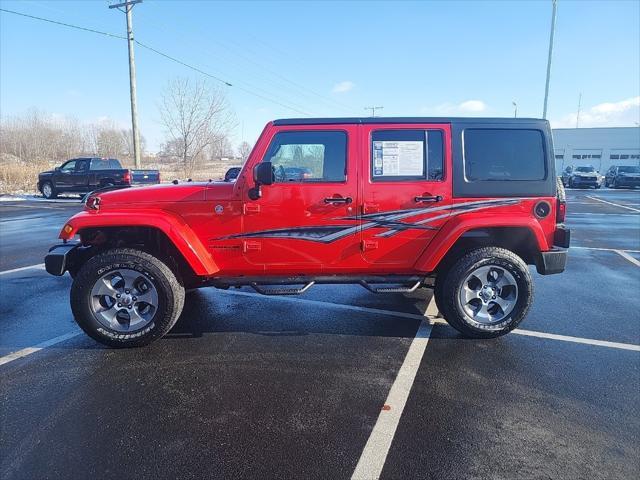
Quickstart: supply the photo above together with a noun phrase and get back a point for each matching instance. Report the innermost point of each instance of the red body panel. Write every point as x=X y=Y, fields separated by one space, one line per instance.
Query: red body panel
x=217 y=227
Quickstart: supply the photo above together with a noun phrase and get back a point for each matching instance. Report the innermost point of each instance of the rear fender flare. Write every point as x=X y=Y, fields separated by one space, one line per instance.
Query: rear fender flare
x=457 y=226
x=173 y=226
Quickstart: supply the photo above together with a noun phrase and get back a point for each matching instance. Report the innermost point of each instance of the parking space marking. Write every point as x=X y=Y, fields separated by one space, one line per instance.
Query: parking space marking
x=36 y=348
x=431 y=318
x=39 y=266
x=603 y=249
x=586 y=341
x=377 y=447
x=614 y=204
x=626 y=256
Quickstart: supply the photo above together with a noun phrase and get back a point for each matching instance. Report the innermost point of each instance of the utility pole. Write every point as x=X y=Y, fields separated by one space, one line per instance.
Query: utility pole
x=579 y=106
x=546 y=87
x=515 y=109
x=373 y=110
x=128 y=5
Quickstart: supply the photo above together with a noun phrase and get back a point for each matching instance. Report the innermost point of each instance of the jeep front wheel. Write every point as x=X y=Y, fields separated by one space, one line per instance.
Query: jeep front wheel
x=486 y=293
x=126 y=298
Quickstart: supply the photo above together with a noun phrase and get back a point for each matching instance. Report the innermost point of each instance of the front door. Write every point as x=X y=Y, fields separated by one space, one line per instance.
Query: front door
x=63 y=177
x=308 y=216
x=406 y=192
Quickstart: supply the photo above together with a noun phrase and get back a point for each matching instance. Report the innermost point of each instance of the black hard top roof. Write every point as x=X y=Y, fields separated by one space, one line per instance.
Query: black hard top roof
x=387 y=120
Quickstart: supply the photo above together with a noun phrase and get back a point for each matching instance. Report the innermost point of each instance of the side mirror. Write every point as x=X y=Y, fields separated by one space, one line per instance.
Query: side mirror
x=263 y=173
x=57 y=169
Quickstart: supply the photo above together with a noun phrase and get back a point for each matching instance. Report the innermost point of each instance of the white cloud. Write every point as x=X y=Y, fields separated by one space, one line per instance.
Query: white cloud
x=608 y=114
x=465 y=108
x=472 y=106
x=343 y=87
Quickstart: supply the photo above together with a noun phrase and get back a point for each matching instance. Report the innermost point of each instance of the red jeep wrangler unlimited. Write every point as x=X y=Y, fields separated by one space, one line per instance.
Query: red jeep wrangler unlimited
x=460 y=205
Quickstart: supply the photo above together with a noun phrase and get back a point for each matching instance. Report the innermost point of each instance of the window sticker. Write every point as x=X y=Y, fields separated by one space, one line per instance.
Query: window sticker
x=398 y=158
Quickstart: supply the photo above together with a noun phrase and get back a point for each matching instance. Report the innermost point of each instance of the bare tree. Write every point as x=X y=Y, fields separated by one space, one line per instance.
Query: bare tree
x=244 y=149
x=194 y=114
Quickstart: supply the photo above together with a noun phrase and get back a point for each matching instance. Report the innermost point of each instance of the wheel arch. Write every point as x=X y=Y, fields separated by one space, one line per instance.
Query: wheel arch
x=526 y=239
x=161 y=232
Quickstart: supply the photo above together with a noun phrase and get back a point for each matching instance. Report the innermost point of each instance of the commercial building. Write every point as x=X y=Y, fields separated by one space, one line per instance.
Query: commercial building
x=600 y=147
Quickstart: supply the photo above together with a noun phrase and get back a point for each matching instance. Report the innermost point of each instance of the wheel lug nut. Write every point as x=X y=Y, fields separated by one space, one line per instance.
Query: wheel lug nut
x=119 y=304
x=118 y=295
x=126 y=291
x=135 y=298
x=129 y=307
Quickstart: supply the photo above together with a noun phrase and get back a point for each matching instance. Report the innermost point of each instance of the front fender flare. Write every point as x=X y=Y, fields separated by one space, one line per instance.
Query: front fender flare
x=458 y=225
x=173 y=226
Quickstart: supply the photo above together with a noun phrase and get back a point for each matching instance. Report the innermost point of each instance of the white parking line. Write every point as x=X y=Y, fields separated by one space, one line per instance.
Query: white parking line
x=36 y=348
x=603 y=249
x=626 y=256
x=375 y=452
x=414 y=316
x=586 y=341
x=614 y=204
x=21 y=269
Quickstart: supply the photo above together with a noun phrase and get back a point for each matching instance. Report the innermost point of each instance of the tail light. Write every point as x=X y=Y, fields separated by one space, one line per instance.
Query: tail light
x=127 y=177
x=561 y=210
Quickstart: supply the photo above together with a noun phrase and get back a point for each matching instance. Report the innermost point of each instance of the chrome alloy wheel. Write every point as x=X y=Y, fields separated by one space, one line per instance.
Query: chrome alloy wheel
x=47 y=191
x=488 y=295
x=124 y=300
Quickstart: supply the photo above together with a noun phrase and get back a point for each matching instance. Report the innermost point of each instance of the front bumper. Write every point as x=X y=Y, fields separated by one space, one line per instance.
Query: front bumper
x=61 y=258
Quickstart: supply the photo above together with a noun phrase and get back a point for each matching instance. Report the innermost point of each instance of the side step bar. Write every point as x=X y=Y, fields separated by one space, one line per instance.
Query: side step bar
x=299 y=284
x=281 y=291
x=399 y=289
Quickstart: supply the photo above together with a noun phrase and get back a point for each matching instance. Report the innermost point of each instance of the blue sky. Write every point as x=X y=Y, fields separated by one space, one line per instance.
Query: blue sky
x=329 y=59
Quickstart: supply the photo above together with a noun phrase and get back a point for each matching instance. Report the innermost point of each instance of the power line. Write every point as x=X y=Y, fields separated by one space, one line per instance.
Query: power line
x=65 y=24
x=241 y=53
x=158 y=52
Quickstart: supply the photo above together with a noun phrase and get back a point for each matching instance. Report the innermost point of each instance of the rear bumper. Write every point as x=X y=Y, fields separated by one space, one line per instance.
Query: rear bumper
x=60 y=258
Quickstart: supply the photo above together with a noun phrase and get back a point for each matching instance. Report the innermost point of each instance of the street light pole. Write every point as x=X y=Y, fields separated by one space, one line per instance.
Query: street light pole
x=132 y=78
x=546 y=87
x=515 y=109
x=373 y=110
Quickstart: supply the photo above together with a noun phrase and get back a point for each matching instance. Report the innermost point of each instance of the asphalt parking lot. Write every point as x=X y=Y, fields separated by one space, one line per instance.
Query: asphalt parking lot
x=334 y=383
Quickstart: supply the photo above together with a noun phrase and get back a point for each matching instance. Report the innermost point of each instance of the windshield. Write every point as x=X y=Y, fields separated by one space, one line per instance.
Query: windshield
x=629 y=169
x=585 y=169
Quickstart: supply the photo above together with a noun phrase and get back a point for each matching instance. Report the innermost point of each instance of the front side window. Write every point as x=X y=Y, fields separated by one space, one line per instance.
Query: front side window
x=398 y=155
x=318 y=156
x=504 y=155
x=629 y=169
x=69 y=166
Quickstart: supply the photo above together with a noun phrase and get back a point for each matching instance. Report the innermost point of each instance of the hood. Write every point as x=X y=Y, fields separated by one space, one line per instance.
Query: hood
x=48 y=172
x=185 y=192
x=163 y=193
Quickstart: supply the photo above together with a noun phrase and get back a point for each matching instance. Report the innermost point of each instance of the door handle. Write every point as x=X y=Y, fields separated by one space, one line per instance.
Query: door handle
x=433 y=199
x=337 y=200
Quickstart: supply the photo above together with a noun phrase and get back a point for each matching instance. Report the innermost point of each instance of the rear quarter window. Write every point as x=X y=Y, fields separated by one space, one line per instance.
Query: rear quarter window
x=504 y=155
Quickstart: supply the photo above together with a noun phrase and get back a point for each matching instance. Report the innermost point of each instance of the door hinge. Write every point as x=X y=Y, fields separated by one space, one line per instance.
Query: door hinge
x=368 y=245
x=249 y=246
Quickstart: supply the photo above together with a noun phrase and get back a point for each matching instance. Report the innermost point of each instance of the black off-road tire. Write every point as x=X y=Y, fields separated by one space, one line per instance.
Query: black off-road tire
x=53 y=193
x=449 y=283
x=169 y=289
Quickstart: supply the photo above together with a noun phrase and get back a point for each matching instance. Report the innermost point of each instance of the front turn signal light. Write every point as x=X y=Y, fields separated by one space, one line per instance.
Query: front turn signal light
x=67 y=229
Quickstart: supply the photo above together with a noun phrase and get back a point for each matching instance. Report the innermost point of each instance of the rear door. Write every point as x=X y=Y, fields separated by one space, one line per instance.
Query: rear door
x=406 y=193
x=308 y=217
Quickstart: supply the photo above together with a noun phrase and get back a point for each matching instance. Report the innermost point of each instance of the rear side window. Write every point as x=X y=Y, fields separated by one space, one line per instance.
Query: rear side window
x=318 y=156
x=503 y=155
x=398 y=155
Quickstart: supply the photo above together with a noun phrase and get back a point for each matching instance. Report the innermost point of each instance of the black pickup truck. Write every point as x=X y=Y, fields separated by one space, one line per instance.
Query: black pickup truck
x=82 y=175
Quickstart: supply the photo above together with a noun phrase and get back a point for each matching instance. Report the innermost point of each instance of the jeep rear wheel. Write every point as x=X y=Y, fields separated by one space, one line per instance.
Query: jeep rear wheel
x=126 y=298
x=486 y=293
